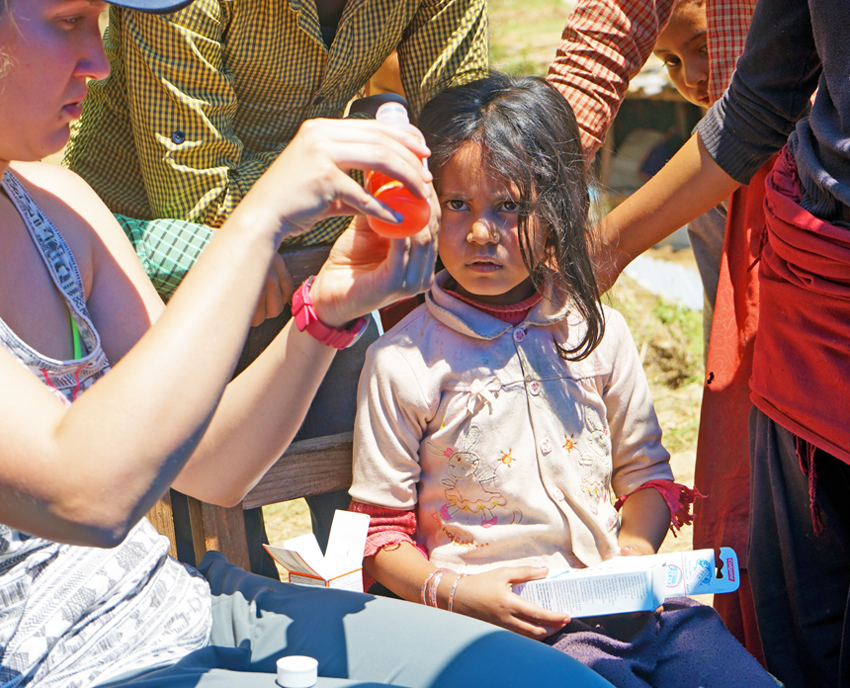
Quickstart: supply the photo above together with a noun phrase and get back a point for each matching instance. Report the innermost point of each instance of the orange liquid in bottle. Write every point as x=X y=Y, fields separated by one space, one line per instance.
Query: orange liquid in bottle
x=416 y=211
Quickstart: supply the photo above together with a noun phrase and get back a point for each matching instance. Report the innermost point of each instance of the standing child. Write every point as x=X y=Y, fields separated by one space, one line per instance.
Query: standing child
x=494 y=421
x=725 y=249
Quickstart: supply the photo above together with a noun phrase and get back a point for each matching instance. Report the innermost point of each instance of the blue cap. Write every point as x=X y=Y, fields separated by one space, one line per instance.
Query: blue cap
x=158 y=6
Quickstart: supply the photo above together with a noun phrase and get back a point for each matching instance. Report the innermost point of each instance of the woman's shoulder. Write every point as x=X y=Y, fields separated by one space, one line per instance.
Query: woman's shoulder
x=64 y=197
x=54 y=180
x=72 y=207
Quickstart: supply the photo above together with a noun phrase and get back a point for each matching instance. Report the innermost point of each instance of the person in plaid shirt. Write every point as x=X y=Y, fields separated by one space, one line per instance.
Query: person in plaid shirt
x=200 y=102
x=604 y=44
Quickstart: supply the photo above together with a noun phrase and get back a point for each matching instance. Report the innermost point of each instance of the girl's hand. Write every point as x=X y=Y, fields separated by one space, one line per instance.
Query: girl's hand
x=366 y=271
x=277 y=291
x=636 y=550
x=309 y=181
x=489 y=597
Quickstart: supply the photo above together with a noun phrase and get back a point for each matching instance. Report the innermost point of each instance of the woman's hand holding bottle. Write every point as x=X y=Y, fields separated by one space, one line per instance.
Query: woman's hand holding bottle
x=390 y=191
x=310 y=182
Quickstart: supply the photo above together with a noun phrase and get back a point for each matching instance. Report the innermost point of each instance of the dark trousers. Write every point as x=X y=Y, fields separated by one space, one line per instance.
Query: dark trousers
x=800 y=580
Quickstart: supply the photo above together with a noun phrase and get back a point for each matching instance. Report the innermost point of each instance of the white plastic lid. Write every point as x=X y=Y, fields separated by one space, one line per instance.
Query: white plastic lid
x=392 y=113
x=297 y=671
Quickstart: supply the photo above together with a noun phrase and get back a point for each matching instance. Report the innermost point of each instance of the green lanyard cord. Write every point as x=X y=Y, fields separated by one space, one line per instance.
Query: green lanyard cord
x=75 y=335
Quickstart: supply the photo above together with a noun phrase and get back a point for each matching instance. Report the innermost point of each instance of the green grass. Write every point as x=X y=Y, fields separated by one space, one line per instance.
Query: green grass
x=687 y=325
x=525 y=33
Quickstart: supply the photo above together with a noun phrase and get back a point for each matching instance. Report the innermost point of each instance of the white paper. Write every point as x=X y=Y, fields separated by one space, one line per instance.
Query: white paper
x=340 y=567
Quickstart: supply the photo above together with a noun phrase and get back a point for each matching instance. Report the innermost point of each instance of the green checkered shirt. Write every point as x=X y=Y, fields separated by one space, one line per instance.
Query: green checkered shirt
x=200 y=102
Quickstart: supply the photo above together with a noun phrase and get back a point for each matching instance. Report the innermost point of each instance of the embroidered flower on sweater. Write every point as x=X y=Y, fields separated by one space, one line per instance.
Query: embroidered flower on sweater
x=507 y=459
x=471 y=485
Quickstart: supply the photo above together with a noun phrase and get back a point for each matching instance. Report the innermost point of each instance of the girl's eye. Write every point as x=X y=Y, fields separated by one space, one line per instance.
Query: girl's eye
x=671 y=62
x=455 y=204
x=70 y=23
x=510 y=206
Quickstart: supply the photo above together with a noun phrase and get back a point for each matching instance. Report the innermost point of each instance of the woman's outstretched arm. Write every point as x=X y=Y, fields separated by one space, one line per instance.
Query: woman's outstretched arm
x=86 y=474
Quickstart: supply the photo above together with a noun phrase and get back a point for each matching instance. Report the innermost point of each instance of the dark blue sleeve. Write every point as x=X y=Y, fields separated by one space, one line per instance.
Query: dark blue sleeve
x=770 y=90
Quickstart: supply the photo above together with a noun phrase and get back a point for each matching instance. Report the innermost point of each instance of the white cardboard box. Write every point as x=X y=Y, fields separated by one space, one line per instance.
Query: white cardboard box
x=632 y=584
x=342 y=564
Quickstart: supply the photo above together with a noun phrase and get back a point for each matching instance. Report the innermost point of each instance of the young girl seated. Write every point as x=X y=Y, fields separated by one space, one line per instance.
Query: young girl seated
x=495 y=420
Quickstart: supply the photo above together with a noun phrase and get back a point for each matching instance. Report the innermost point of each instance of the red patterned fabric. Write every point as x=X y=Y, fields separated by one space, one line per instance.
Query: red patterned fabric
x=679 y=500
x=723 y=449
x=606 y=43
x=386 y=527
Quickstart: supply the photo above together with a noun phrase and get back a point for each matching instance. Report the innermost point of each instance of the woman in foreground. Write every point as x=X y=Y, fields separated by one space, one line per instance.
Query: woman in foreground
x=89 y=593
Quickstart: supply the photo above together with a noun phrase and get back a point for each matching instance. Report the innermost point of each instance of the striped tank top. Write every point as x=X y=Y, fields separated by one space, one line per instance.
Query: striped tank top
x=76 y=616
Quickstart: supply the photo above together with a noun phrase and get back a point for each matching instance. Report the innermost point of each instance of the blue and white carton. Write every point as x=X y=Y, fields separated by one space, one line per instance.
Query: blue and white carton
x=634 y=584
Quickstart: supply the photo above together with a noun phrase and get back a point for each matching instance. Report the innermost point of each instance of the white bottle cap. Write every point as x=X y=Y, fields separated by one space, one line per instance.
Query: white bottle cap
x=395 y=114
x=297 y=671
x=392 y=113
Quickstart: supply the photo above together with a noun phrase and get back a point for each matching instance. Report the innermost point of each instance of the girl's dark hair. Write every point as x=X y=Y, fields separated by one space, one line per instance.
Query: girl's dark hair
x=528 y=136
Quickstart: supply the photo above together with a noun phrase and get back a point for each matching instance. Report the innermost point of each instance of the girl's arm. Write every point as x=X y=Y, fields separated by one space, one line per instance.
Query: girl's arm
x=645 y=520
x=86 y=474
x=486 y=596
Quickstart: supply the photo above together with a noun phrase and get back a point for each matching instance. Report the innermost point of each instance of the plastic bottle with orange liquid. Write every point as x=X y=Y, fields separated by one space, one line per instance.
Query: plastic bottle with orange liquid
x=416 y=211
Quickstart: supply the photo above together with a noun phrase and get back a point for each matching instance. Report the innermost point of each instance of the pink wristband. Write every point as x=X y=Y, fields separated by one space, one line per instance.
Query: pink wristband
x=306 y=319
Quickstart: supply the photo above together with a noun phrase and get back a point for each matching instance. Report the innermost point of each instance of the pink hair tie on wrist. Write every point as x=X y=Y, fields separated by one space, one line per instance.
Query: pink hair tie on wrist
x=435 y=584
x=306 y=319
x=428 y=578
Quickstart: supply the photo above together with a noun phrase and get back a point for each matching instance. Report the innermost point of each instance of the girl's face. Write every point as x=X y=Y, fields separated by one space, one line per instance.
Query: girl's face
x=51 y=49
x=683 y=46
x=478 y=243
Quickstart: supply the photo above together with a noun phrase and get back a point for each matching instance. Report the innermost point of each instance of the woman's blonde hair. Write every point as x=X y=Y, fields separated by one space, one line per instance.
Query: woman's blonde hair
x=5 y=15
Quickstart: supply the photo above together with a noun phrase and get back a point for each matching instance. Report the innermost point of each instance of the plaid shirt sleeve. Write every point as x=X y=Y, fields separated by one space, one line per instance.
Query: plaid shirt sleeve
x=446 y=43
x=167 y=249
x=183 y=104
x=605 y=43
